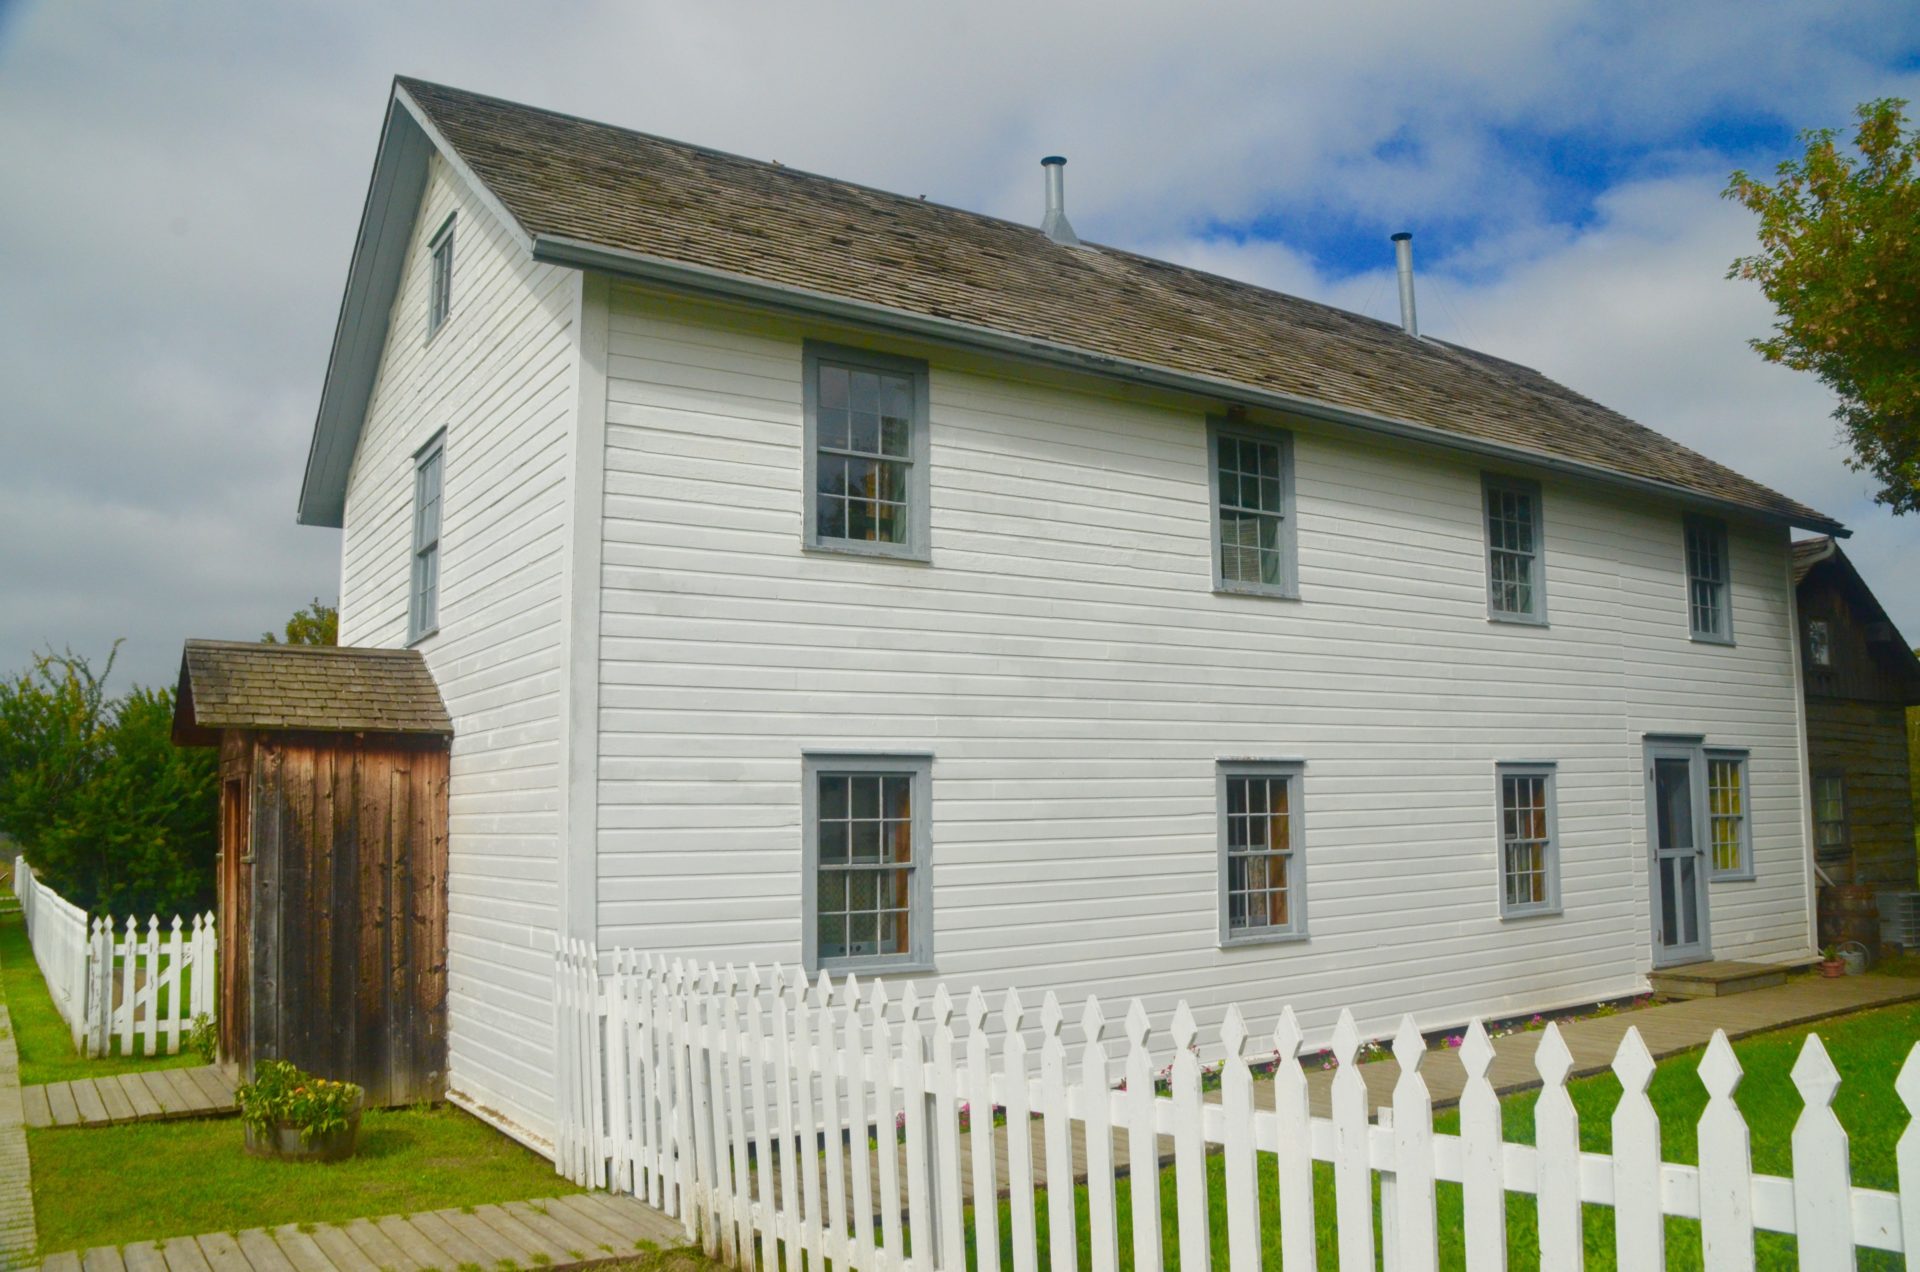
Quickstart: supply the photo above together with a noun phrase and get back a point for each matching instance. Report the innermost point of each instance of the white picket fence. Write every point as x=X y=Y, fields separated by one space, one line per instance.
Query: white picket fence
x=744 y=1107
x=62 y=945
x=118 y=986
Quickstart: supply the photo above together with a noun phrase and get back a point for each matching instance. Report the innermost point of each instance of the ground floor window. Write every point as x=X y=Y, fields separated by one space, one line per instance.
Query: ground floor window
x=1729 y=831
x=1529 y=841
x=869 y=896
x=1830 y=816
x=1262 y=892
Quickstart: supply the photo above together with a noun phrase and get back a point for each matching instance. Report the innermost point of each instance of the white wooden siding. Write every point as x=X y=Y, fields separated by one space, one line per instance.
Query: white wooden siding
x=499 y=378
x=1066 y=662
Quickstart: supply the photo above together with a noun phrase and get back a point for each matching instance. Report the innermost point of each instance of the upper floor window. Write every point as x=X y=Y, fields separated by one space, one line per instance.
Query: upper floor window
x=1253 y=531
x=1708 y=613
x=1819 y=642
x=1830 y=816
x=1262 y=885
x=1516 y=583
x=869 y=887
x=1529 y=841
x=1729 y=831
x=440 y=297
x=423 y=610
x=866 y=452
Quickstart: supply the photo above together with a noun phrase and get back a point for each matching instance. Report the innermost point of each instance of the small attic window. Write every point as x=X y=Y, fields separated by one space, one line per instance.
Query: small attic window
x=440 y=299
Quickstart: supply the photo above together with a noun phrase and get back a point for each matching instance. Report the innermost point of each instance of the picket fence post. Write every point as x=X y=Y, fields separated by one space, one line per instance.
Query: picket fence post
x=1298 y=1251
x=1352 y=1175
x=1639 y=1227
x=1822 y=1173
x=1143 y=1137
x=1482 y=1157
x=1096 y=1077
x=1726 y=1164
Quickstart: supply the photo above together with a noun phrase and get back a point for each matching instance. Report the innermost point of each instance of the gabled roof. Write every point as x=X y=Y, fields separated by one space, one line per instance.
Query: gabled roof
x=1810 y=554
x=236 y=685
x=595 y=196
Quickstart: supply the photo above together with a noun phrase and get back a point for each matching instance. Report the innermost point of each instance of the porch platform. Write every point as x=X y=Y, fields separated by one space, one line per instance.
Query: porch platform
x=1717 y=979
x=148 y=1096
x=565 y=1232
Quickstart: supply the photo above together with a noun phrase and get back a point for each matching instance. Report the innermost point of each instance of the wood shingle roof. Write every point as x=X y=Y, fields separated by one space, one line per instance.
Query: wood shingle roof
x=235 y=685
x=569 y=180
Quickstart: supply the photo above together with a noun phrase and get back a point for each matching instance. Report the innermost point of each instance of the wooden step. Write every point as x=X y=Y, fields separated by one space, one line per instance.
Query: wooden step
x=1716 y=979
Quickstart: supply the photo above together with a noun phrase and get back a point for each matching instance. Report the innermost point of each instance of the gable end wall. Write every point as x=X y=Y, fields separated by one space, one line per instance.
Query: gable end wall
x=499 y=377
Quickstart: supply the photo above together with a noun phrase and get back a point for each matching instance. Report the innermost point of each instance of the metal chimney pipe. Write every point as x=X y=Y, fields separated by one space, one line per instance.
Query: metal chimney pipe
x=1403 y=259
x=1056 y=226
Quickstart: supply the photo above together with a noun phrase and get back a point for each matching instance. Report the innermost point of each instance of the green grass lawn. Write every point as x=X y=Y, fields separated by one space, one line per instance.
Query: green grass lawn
x=42 y=1036
x=149 y=1180
x=1868 y=1049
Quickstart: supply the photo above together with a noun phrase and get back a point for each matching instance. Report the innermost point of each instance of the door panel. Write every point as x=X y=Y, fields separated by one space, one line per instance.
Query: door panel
x=1677 y=804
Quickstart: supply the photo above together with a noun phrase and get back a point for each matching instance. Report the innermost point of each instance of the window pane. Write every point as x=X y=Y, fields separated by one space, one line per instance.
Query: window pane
x=1259 y=837
x=1526 y=834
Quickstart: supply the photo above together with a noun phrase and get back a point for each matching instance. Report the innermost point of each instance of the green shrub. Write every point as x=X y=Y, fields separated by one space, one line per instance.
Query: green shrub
x=111 y=813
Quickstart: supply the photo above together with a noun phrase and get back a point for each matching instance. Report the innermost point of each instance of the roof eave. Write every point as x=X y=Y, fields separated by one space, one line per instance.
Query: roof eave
x=394 y=192
x=701 y=280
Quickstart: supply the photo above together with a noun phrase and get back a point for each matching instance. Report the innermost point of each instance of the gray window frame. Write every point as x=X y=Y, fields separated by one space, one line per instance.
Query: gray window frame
x=440 y=276
x=427 y=540
x=1743 y=872
x=1845 y=851
x=1491 y=483
x=1691 y=524
x=918 y=764
x=1288 y=588
x=919 y=544
x=1294 y=771
x=1548 y=770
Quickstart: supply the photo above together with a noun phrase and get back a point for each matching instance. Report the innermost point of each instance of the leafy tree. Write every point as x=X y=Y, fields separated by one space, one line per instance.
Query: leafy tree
x=317 y=624
x=110 y=812
x=1840 y=260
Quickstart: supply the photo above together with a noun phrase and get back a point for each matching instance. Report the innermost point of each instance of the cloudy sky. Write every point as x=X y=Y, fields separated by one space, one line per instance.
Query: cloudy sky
x=183 y=181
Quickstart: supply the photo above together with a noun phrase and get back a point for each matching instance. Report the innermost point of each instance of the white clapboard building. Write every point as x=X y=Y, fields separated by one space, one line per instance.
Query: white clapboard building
x=829 y=577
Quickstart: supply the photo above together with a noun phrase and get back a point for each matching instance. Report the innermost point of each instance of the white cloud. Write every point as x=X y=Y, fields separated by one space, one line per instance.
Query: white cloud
x=184 y=183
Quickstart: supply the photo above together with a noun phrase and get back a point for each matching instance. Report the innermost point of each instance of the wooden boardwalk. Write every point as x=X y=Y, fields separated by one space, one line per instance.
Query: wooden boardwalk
x=564 y=1232
x=18 y=1236
x=202 y=1091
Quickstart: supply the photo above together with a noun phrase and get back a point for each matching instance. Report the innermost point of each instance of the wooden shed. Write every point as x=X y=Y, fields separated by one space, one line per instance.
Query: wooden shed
x=1861 y=677
x=333 y=858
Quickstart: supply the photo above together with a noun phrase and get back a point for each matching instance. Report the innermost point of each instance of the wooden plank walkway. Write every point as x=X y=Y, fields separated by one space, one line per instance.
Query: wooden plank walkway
x=580 y=1231
x=18 y=1236
x=151 y=1095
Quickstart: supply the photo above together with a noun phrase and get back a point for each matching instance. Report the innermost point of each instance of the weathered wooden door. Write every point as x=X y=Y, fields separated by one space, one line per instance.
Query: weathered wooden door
x=349 y=933
x=234 y=884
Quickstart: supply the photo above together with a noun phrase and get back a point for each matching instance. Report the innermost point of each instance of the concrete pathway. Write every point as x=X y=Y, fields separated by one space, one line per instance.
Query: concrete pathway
x=564 y=1232
x=149 y=1095
x=18 y=1236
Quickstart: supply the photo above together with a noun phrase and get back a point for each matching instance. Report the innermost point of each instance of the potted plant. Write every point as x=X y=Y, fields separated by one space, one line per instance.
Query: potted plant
x=1830 y=964
x=289 y=1113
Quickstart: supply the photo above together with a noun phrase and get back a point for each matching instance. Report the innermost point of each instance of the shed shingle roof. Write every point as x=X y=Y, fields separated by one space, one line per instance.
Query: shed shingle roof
x=566 y=178
x=233 y=685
